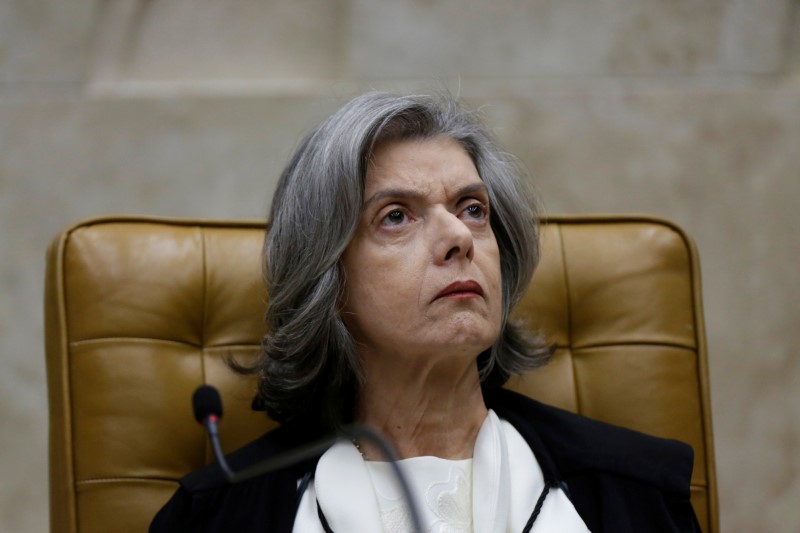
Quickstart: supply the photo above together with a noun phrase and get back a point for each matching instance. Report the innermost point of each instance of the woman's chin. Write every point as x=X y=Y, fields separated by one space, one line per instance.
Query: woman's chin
x=463 y=341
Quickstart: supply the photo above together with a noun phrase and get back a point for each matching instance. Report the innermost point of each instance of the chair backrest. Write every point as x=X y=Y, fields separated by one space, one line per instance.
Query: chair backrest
x=139 y=311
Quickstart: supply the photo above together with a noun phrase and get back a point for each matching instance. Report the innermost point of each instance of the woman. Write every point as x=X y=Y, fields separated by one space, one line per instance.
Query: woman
x=401 y=237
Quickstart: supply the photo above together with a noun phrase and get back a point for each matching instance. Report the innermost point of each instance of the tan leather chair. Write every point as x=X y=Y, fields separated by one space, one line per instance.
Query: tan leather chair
x=139 y=311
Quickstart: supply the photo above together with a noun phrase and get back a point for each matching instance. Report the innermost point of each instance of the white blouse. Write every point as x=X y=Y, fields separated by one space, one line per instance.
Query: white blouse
x=443 y=489
x=482 y=495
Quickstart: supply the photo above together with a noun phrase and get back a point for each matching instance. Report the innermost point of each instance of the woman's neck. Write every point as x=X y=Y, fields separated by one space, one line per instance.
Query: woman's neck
x=435 y=411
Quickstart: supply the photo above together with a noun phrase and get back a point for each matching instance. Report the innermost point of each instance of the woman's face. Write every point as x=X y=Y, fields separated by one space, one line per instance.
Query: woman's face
x=423 y=269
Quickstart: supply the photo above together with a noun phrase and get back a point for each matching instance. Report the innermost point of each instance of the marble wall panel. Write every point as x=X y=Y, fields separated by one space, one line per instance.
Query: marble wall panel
x=755 y=34
x=515 y=38
x=46 y=42
x=185 y=157
x=794 y=41
x=208 y=40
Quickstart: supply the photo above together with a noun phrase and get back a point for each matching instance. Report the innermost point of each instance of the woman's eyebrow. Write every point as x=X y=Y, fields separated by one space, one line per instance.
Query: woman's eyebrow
x=394 y=193
x=472 y=188
x=417 y=195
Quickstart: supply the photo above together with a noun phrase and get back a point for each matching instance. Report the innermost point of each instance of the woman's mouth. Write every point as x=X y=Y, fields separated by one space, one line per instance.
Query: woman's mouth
x=461 y=289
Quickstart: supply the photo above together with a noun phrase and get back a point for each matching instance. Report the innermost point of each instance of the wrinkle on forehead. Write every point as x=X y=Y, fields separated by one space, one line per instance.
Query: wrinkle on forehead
x=415 y=173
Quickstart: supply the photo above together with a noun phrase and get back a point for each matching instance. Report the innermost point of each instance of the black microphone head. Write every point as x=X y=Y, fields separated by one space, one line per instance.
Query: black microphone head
x=206 y=402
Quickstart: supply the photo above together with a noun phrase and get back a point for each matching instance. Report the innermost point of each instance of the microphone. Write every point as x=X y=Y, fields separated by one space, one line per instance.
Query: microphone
x=207 y=406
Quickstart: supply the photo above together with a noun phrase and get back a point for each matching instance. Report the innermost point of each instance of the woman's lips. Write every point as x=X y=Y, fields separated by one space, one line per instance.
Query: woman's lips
x=461 y=289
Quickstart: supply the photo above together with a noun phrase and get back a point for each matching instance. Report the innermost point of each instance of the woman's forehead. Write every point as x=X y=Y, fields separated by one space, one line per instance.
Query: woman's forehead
x=420 y=167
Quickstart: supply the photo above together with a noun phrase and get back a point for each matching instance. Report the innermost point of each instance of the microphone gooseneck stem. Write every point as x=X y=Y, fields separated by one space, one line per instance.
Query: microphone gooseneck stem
x=213 y=435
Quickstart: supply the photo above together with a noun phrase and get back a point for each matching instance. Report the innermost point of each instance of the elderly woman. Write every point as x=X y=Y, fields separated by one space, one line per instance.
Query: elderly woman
x=401 y=237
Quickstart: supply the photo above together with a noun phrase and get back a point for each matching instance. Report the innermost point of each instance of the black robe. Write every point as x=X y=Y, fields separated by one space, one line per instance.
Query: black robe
x=617 y=479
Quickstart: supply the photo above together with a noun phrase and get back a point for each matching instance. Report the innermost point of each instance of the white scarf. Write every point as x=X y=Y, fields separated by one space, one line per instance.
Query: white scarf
x=502 y=497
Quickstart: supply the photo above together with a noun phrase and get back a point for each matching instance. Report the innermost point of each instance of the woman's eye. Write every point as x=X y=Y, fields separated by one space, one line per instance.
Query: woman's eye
x=475 y=211
x=394 y=218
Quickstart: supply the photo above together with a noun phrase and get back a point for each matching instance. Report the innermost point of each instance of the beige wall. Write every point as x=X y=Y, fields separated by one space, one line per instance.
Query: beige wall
x=683 y=109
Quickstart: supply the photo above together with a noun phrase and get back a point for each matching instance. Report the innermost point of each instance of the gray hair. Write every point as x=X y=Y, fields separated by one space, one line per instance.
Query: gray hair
x=309 y=368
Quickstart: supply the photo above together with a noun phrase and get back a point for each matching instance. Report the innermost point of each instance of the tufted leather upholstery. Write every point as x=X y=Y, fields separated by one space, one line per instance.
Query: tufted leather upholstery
x=139 y=311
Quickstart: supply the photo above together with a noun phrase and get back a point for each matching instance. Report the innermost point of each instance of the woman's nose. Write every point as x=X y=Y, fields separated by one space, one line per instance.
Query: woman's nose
x=452 y=239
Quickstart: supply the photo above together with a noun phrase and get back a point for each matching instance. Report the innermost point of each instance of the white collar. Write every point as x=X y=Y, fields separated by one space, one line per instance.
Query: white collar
x=502 y=498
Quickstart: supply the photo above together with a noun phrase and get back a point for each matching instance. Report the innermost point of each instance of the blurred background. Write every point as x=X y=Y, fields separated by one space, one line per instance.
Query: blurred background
x=682 y=109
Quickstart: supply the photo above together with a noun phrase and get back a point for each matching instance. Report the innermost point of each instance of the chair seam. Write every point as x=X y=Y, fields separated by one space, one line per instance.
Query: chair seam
x=100 y=480
x=631 y=343
x=155 y=340
x=568 y=306
x=204 y=258
x=142 y=340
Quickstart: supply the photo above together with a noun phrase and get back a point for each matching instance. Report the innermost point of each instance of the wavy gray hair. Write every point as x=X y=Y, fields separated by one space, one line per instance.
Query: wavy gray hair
x=309 y=368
